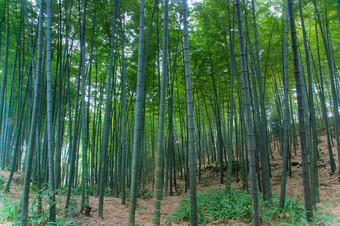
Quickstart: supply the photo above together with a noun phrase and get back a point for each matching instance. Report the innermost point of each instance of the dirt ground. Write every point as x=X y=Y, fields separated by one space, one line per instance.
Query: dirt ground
x=117 y=214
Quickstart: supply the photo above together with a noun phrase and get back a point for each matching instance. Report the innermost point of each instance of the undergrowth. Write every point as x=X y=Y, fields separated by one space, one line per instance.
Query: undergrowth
x=216 y=206
x=109 y=192
x=10 y=212
x=92 y=190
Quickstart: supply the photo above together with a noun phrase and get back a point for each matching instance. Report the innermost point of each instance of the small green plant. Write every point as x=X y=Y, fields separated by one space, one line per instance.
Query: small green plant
x=65 y=222
x=42 y=218
x=109 y=192
x=146 y=194
x=140 y=210
x=215 y=205
x=72 y=208
x=204 y=183
x=319 y=139
x=8 y=210
x=34 y=218
x=92 y=190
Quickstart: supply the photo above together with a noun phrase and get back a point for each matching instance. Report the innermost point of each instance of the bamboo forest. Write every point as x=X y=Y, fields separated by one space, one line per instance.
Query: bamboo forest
x=169 y=112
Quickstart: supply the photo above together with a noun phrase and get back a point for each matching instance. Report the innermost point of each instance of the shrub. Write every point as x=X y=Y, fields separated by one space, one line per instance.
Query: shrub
x=215 y=205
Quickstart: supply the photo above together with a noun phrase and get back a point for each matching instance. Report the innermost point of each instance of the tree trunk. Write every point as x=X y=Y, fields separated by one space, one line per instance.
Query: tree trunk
x=286 y=115
x=190 y=120
x=301 y=116
x=231 y=109
x=138 y=117
x=85 y=199
x=123 y=80
x=249 y=123
x=50 y=127
x=34 y=121
x=107 y=121
x=263 y=124
x=161 y=120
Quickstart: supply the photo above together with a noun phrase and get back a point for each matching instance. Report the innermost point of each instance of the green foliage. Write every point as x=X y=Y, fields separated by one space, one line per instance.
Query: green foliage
x=109 y=192
x=319 y=139
x=215 y=205
x=92 y=190
x=72 y=209
x=2 y=181
x=276 y=126
x=146 y=194
x=204 y=183
x=8 y=210
x=64 y=222
x=77 y=191
x=140 y=210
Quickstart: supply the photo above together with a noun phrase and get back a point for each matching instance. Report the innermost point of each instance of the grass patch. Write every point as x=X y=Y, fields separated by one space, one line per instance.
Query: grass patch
x=10 y=213
x=215 y=205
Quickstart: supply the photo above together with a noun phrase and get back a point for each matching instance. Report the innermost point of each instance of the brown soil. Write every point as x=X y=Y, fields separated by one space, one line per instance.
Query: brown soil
x=329 y=185
x=117 y=214
x=16 y=185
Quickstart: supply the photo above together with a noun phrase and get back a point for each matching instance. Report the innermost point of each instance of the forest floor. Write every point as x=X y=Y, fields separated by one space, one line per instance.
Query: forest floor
x=117 y=214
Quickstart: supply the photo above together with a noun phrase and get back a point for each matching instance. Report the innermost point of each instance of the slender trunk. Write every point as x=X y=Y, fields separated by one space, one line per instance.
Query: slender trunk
x=4 y=79
x=138 y=117
x=322 y=98
x=161 y=121
x=218 y=125
x=34 y=120
x=123 y=79
x=263 y=124
x=73 y=169
x=249 y=123
x=313 y=160
x=301 y=116
x=333 y=87
x=18 y=136
x=50 y=128
x=286 y=115
x=231 y=109
x=190 y=120
x=85 y=201
x=107 y=121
